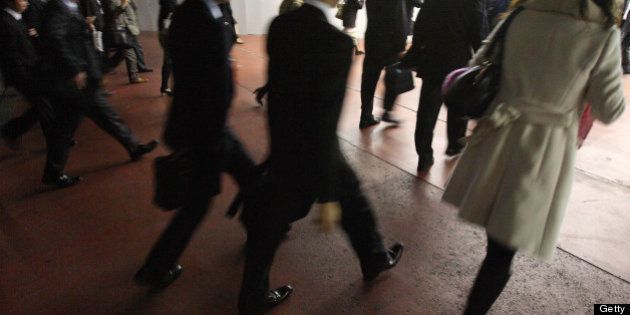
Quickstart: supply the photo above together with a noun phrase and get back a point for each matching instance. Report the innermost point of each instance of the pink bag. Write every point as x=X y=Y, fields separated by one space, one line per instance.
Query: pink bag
x=586 y=123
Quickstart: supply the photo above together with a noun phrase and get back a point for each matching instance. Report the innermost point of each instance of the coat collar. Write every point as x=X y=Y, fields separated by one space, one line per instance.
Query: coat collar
x=570 y=7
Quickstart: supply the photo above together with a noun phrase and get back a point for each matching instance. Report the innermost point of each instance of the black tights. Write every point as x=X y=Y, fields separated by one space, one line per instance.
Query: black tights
x=491 y=279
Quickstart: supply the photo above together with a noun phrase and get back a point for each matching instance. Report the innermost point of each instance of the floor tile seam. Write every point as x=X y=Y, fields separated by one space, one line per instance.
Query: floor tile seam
x=603 y=179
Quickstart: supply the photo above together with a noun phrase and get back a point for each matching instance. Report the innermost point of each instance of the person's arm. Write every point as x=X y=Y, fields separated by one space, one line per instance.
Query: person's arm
x=329 y=93
x=118 y=7
x=12 y=58
x=478 y=22
x=605 y=89
x=56 y=35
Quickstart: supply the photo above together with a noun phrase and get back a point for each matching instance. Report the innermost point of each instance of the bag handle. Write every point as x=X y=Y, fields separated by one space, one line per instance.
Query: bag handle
x=500 y=36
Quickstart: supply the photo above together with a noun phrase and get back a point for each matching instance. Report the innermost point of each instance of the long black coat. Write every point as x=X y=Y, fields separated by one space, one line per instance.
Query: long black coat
x=17 y=54
x=387 y=28
x=199 y=45
x=309 y=61
x=32 y=17
x=445 y=35
x=68 y=47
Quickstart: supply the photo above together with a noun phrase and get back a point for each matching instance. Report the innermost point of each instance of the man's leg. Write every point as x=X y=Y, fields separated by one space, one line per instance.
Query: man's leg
x=171 y=244
x=428 y=110
x=132 y=65
x=102 y=113
x=137 y=48
x=263 y=240
x=238 y=163
x=67 y=109
x=372 y=68
x=266 y=217
x=359 y=223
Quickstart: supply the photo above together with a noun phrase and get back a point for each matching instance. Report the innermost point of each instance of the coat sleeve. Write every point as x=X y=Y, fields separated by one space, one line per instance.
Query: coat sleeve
x=11 y=57
x=57 y=33
x=331 y=79
x=604 y=90
x=478 y=22
x=116 y=8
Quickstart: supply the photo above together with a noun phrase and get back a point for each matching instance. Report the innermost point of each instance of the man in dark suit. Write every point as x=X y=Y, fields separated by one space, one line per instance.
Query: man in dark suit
x=19 y=60
x=309 y=61
x=445 y=35
x=200 y=39
x=72 y=74
x=385 y=41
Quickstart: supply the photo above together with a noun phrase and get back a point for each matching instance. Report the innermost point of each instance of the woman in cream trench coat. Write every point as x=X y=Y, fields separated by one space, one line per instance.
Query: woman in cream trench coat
x=515 y=175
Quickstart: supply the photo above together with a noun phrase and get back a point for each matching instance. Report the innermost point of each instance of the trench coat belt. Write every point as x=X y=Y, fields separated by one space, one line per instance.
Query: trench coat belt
x=503 y=114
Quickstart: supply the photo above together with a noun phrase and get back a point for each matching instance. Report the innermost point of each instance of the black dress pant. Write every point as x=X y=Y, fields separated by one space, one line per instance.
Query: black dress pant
x=491 y=279
x=176 y=237
x=431 y=100
x=41 y=110
x=167 y=63
x=282 y=200
x=372 y=68
x=71 y=105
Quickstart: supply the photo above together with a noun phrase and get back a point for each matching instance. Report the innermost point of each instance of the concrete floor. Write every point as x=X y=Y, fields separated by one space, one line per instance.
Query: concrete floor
x=75 y=250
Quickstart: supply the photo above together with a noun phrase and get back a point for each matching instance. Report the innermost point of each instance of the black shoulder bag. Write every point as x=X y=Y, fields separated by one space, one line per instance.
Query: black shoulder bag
x=472 y=92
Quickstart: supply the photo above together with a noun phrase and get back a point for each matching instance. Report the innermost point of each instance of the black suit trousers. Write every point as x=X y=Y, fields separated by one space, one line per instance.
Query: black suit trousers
x=175 y=238
x=372 y=68
x=41 y=110
x=281 y=201
x=431 y=100
x=71 y=105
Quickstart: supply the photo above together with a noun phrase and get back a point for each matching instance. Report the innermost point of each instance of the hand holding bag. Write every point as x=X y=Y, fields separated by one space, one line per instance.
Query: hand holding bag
x=472 y=92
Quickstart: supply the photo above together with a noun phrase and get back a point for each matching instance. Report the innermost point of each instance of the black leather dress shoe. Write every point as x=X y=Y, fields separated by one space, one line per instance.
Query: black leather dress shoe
x=62 y=181
x=393 y=257
x=146 y=277
x=387 y=117
x=368 y=122
x=274 y=298
x=453 y=151
x=425 y=163
x=143 y=149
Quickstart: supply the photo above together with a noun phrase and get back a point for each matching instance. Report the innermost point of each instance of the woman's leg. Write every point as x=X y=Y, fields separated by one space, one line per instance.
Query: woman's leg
x=491 y=279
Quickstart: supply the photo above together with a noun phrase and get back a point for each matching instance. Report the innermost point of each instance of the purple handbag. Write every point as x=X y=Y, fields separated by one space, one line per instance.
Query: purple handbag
x=451 y=77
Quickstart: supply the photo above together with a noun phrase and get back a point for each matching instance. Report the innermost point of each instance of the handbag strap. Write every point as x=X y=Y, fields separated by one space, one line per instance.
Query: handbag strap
x=499 y=38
